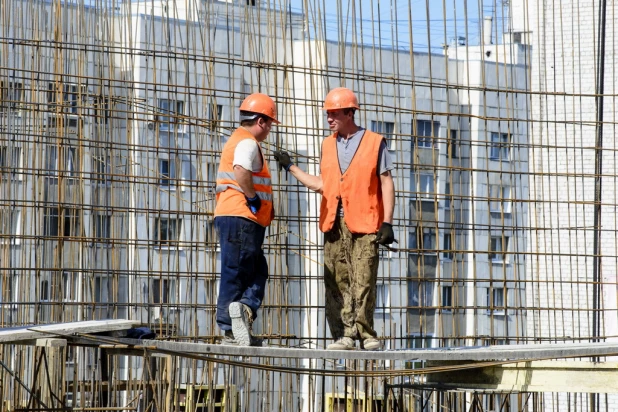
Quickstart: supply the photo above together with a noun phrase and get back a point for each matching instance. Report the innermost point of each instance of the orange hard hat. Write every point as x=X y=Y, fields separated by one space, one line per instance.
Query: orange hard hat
x=340 y=98
x=261 y=104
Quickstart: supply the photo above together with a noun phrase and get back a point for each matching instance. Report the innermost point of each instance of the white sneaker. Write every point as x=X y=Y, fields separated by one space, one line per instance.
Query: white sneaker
x=372 y=344
x=241 y=323
x=344 y=343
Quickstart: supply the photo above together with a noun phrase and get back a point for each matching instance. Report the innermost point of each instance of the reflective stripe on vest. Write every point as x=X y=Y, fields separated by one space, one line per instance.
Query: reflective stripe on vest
x=230 y=197
x=358 y=189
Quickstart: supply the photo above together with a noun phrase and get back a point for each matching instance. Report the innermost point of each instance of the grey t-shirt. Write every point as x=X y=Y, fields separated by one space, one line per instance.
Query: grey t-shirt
x=346 y=148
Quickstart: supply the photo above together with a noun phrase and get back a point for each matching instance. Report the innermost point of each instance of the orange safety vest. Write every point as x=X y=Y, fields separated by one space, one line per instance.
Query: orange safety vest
x=230 y=197
x=358 y=188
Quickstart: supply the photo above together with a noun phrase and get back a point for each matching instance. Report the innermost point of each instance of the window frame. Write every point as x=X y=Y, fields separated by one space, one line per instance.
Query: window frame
x=423 y=185
x=167 y=243
x=424 y=140
x=446 y=298
x=499 y=255
x=66 y=214
x=383 y=298
x=500 y=147
x=13 y=237
x=170 y=119
x=382 y=128
x=496 y=295
x=448 y=251
x=500 y=202
x=11 y=166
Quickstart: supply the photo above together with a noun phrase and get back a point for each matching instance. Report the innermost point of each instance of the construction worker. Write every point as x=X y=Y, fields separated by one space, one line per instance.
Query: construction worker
x=244 y=210
x=356 y=214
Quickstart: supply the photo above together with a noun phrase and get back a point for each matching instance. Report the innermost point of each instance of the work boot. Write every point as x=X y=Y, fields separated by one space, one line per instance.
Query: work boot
x=242 y=320
x=372 y=344
x=344 y=343
x=228 y=338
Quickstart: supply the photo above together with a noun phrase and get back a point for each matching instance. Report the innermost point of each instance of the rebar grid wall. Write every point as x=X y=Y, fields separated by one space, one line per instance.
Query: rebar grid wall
x=112 y=120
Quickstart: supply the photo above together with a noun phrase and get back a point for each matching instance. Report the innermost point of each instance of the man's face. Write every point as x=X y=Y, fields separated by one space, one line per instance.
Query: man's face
x=264 y=128
x=338 y=120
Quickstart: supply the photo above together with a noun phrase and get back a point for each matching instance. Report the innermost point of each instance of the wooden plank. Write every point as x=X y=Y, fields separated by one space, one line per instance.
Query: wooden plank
x=541 y=376
x=31 y=333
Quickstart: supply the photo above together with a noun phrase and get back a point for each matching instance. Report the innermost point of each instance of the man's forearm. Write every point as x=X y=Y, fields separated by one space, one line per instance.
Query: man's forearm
x=245 y=180
x=311 y=182
x=388 y=196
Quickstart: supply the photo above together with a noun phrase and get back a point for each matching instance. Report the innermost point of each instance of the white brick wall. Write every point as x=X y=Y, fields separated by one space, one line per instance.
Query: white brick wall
x=563 y=38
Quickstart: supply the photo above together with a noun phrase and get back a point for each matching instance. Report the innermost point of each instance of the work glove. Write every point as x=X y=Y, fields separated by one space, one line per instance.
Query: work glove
x=284 y=160
x=385 y=235
x=254 y=204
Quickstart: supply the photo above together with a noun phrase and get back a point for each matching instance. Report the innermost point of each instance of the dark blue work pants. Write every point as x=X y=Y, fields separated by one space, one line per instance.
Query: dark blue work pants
x=243 y=266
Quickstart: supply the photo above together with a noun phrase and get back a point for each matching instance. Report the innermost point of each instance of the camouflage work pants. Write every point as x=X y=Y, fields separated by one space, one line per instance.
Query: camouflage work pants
x=350 y=276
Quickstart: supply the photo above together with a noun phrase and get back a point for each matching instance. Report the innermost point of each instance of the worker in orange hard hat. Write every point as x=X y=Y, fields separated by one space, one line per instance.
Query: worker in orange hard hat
x=244 y=210
x=356 y=214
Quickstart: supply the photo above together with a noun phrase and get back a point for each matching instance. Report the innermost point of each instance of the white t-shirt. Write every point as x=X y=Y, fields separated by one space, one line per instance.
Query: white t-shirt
x=247 y=155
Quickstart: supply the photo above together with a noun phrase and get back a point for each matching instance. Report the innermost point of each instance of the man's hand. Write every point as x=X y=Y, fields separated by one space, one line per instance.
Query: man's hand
x=254 y=204
x=385 y=235
x=284 y=160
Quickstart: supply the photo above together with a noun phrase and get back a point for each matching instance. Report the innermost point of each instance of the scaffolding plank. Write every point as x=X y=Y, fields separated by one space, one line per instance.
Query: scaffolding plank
x=485 y=353
x=27 y=333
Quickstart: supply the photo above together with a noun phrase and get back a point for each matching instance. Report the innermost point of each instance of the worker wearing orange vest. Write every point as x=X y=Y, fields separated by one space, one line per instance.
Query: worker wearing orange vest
x=244 y=210
x=356 y=214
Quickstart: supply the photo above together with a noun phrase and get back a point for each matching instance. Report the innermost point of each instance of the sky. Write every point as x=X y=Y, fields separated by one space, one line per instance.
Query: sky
x=434 y=22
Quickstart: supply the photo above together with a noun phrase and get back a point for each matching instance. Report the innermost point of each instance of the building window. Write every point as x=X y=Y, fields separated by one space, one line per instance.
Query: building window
x=383 y=302
x=44 y=292
x=423 y=238
x=423 y=185
x=102 y=167
x=11 y=95
x=10 y=161
x=170 y=112
x=61 y=221
x=426 y=131
x=500 y=146
x=167 y=231
x=70 y=286
x=64 y=97
x=171 y=171
x=63 y=160
x=102 y=227
x=499 y=199
x=386 y=129
x=167 y=173
x=452 y=145
x=102 y=112
x=101 y=288
x=498 y=247
x=447 y=298
x=448 y=195
x=448 y=252
x=9 y=225
x=162 y=291
x=215 y=113
x=495 y=300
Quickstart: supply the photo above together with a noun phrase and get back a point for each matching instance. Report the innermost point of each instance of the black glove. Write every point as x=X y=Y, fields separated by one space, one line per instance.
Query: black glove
x=284 y=160
x=254 y=204
x=385 y=235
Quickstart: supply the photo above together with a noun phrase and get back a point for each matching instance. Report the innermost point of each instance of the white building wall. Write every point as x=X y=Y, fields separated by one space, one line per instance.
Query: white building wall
x=564 y=63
